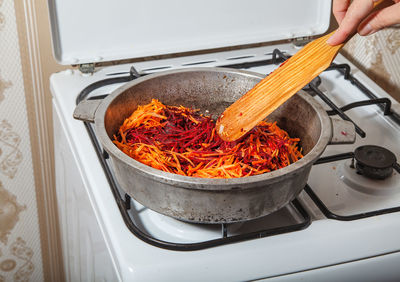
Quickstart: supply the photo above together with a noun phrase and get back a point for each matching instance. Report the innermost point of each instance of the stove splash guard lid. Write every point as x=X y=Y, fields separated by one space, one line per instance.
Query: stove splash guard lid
x=100 y=30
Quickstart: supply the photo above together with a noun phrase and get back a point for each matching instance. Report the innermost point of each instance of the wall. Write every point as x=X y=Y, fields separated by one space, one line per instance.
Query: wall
x=378 y=56
x=29 y=237
x=20 y=248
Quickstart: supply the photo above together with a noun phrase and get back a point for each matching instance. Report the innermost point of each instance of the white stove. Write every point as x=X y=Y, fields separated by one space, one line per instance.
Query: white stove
x=94 y=224
x=343 y=226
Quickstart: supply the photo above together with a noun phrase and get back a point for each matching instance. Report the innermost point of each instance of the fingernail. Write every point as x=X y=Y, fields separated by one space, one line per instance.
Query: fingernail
x=365 y=30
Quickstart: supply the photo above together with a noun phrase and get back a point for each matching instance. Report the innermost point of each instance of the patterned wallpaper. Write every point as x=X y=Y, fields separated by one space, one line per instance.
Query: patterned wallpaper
x=20 y=251
x=378 y=55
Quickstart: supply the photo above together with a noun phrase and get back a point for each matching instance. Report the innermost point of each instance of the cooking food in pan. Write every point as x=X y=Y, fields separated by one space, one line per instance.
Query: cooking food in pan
x=183 y=141
x=211 y=200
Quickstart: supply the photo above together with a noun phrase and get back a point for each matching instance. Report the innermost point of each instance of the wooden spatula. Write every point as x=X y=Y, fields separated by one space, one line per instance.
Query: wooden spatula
x=276 y=88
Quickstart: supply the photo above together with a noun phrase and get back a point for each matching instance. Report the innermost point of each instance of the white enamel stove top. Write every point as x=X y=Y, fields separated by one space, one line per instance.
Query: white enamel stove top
x=326 y=247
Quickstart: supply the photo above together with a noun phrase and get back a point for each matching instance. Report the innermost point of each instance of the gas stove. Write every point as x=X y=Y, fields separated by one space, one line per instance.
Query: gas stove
x=345 y=224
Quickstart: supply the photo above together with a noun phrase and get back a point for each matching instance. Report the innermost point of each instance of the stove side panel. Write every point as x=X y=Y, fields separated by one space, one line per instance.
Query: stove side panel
x=85 y=254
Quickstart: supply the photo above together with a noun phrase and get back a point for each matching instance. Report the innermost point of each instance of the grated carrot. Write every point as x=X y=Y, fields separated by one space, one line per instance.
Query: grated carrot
x=183 y=141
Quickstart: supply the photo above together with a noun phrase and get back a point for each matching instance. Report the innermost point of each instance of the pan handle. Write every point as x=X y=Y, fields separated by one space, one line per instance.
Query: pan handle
x=86 y=110
x=343 y=132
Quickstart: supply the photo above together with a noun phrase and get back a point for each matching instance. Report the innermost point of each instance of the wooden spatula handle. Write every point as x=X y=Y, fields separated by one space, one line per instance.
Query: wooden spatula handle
x=275 y=89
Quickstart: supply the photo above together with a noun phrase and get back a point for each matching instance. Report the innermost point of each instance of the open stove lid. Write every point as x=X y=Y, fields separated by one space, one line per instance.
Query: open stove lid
x=100 y=30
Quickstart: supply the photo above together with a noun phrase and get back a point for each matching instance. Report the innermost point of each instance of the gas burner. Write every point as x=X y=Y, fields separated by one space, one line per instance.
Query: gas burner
x=369 y=169
x=374 y=162
x=354 y=180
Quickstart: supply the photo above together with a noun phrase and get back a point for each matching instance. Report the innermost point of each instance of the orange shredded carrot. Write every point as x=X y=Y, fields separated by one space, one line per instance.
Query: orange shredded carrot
x=183 y=141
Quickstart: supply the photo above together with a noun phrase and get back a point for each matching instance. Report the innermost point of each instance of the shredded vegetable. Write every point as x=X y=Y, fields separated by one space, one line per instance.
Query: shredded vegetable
x=183 y=141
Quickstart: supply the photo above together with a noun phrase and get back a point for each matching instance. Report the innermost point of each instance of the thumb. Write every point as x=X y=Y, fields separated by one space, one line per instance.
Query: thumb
x=380 y=19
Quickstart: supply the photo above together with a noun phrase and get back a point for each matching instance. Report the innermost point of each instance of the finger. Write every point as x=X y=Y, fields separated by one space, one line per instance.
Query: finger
x=380 y=19
x=339 y=9
x=356 y=12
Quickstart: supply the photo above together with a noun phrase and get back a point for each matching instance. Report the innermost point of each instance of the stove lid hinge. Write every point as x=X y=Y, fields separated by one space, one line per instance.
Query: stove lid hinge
x=87 y=68
x=301 y=41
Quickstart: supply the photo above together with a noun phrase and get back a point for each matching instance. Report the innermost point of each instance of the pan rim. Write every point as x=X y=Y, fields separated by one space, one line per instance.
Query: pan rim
x=219 y=184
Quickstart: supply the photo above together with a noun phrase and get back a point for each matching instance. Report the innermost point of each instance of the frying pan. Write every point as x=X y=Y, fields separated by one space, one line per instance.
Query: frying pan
x=204 y=200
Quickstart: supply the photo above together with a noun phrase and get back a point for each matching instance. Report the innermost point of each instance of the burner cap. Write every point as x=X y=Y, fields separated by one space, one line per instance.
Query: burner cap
x=374 y=161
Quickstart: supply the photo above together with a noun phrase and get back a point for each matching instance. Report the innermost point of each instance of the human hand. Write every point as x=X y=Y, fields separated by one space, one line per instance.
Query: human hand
x=358 y=16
